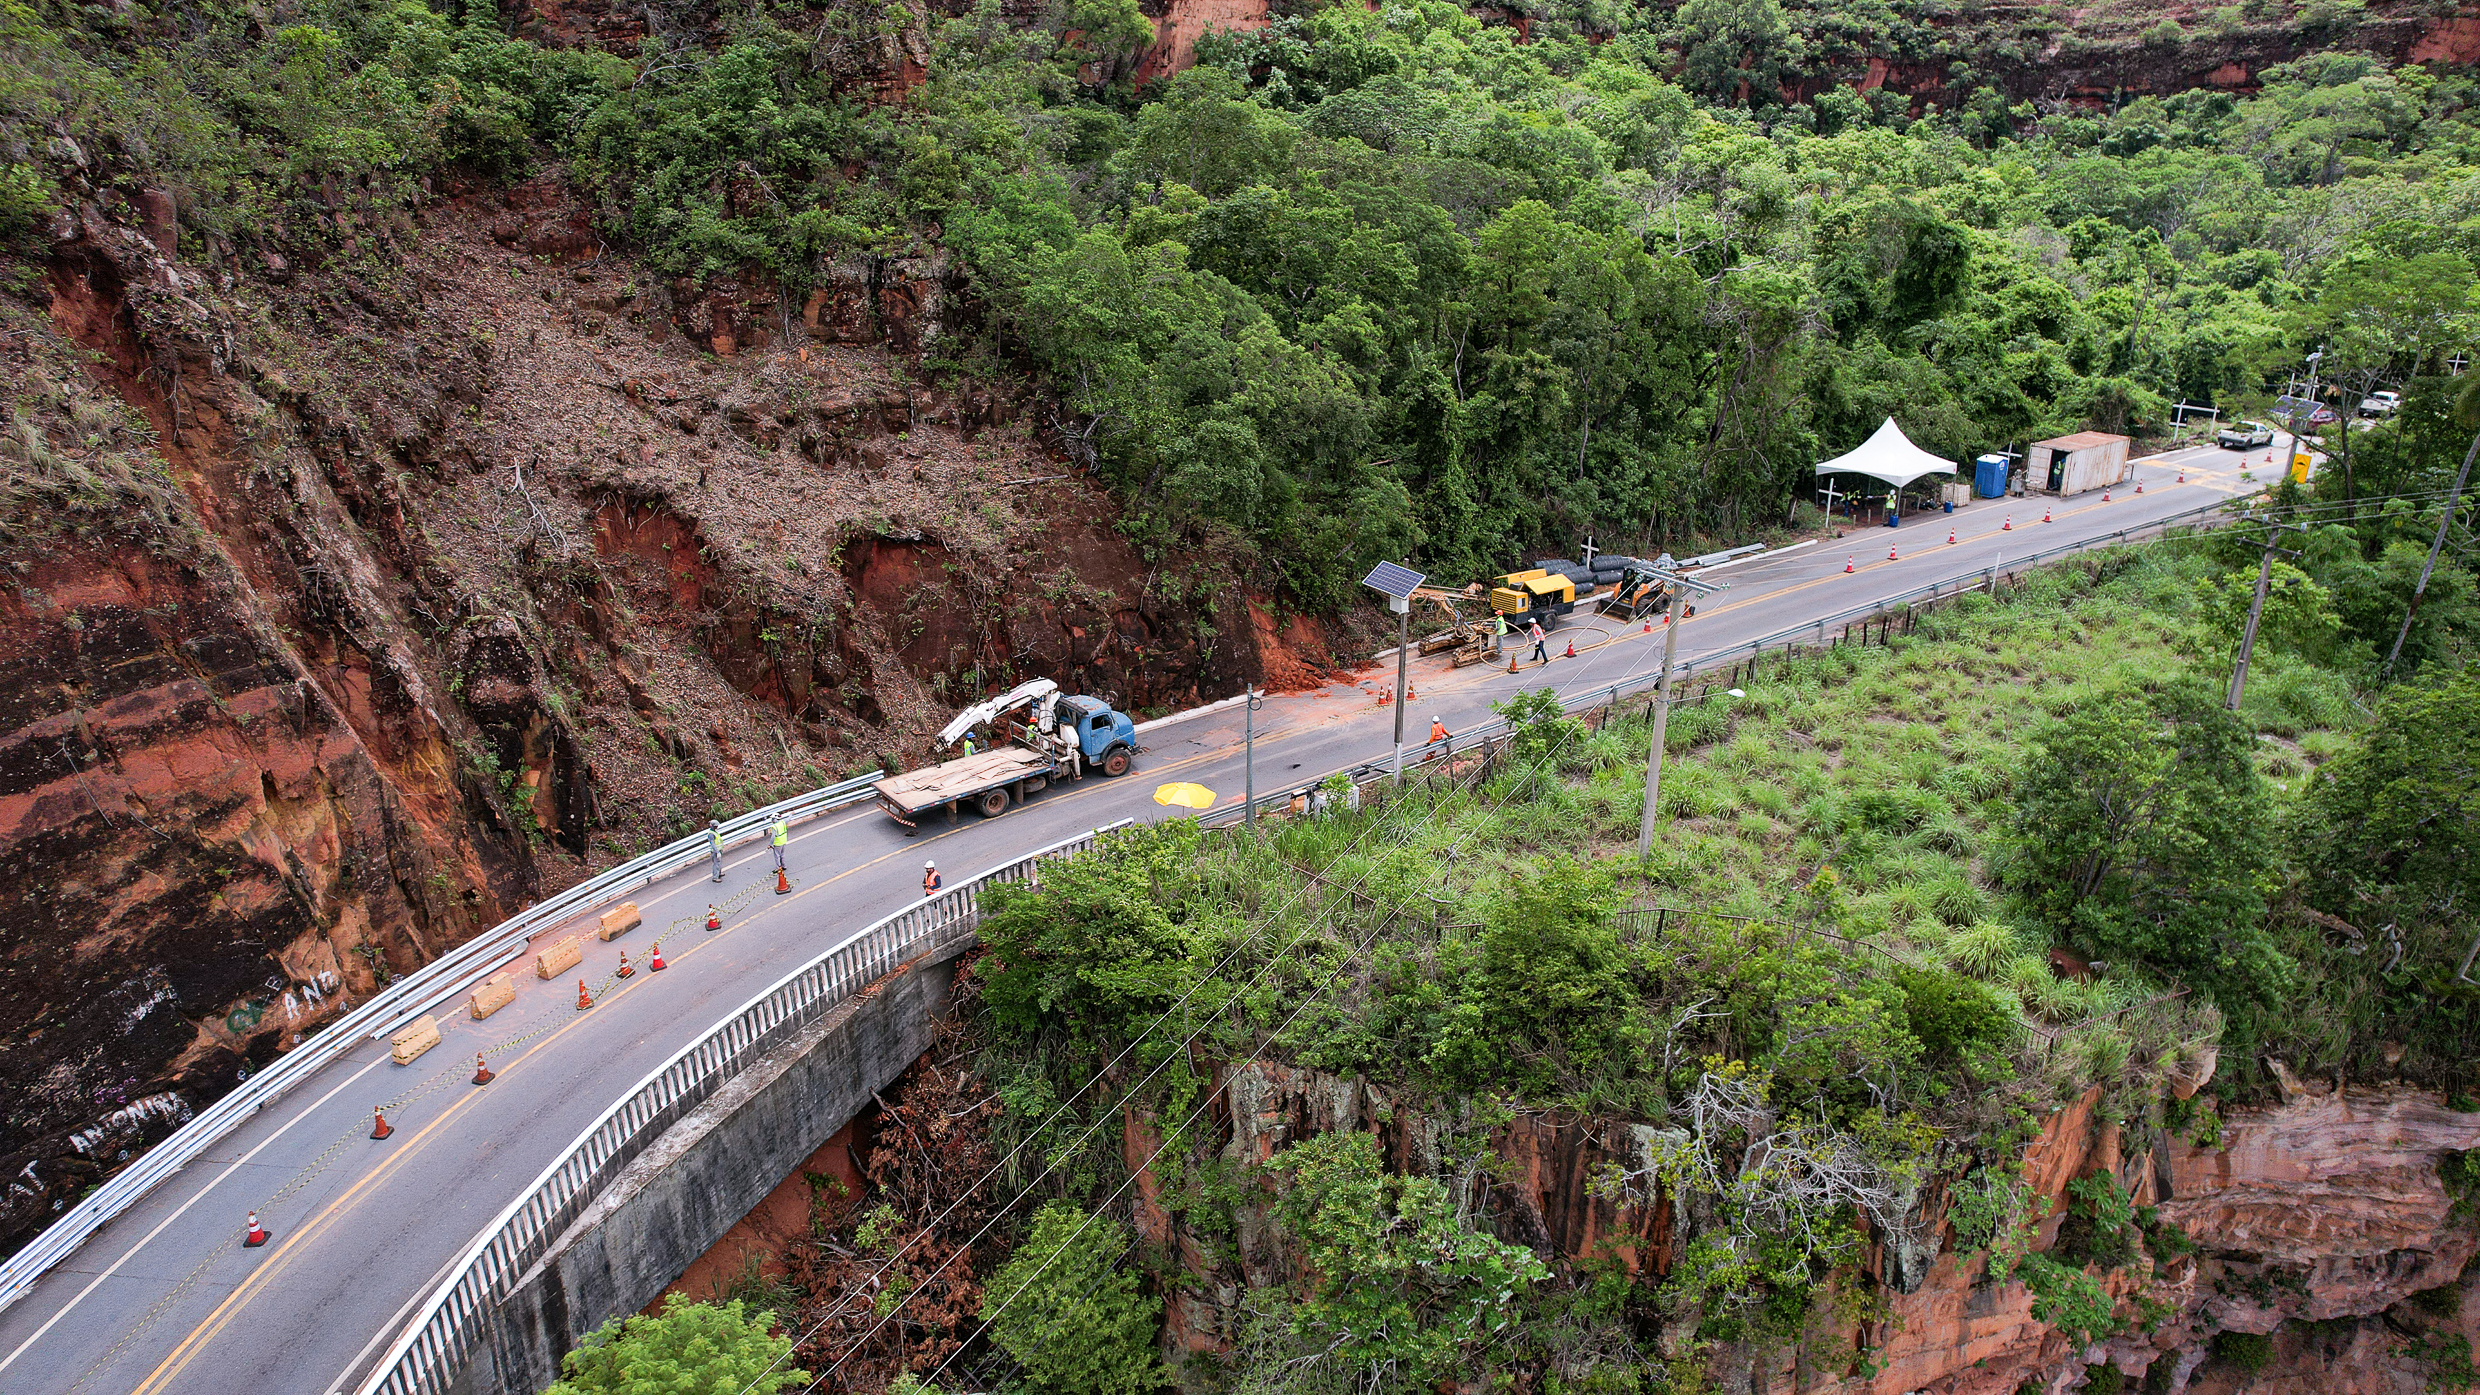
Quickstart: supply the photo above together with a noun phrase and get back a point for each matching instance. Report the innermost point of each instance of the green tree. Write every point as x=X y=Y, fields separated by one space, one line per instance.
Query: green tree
x=1071 y=1313
x=2397 y=819
x=1398 y=1284
x=687 y=1349
x=2141 y=832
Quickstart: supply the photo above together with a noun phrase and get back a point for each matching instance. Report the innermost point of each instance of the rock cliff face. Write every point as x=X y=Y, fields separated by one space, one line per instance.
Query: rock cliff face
x=2324 y=1222
x=364 y=592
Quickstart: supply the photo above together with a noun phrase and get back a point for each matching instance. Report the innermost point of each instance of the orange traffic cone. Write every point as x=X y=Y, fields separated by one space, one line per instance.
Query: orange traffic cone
x=257 y=1235
x=584 y=999
x=379 y=1127
x=1411 y=694
x=714 y=919
x=2045 y=513
x=1511 y=663
x=2139 y=486
x=2182 y=477
x=2105 y=496
x=1890 y=553
x=1649 y=627
x=2009 y=525
x=1571 y=649
x=1950 y=536
x=624 y=970
x=483 y=1075
x=783 y=884
x=656 y=963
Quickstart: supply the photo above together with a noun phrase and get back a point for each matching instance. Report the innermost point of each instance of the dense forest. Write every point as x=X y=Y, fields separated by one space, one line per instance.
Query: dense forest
x=1375 y=282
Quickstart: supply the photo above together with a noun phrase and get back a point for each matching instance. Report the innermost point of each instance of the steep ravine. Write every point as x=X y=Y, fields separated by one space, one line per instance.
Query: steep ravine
x=364 y=593
x=2322 y=1223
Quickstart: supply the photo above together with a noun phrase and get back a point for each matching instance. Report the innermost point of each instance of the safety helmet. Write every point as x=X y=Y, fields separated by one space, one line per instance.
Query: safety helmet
x=929 y=866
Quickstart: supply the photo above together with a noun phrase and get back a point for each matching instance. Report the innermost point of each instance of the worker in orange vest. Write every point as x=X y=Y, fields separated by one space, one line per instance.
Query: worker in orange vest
x=1438 y=735
x=929 y=879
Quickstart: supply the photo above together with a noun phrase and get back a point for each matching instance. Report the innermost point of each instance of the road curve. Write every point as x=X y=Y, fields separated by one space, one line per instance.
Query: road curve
x=166 y=1298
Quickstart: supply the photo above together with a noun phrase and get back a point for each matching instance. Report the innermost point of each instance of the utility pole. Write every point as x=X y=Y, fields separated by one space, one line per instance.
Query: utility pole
x=1397 y=583
x=1403 y=652
x=1248 y=797
x=1661 y=728
x=2256 y=611
x=2453 y=501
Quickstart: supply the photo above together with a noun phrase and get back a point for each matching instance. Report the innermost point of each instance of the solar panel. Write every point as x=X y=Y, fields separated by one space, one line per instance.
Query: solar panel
x=1399 y=582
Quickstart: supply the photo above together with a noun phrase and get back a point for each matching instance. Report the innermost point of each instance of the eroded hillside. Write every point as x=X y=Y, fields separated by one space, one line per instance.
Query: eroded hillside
x=361 y=599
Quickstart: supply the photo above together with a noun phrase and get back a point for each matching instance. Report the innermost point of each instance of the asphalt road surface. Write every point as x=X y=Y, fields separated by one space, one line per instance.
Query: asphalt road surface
x=165 y=1297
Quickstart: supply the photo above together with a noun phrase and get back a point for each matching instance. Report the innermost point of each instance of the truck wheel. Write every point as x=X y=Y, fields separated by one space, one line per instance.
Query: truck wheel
x=1116 y=764
x=993 y=803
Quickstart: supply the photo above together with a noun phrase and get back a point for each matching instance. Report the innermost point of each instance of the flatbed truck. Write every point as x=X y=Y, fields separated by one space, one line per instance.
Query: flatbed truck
x=1065 y=738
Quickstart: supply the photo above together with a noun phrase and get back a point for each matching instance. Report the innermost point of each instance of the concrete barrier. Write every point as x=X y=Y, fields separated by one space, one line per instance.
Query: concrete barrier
x=496 y=992
x=414 y=1040
x=559 y=959
x=618 y=921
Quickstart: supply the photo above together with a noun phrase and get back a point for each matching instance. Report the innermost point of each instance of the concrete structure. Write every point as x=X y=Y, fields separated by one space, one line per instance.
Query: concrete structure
x=713 y=1167
x=2085 y=461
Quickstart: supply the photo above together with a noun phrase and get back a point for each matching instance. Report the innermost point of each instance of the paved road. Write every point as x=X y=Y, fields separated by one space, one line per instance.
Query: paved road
x=165 y=1298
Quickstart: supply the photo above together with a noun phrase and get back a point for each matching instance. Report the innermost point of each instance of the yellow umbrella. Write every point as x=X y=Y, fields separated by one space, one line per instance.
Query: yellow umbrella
x=1184 y=795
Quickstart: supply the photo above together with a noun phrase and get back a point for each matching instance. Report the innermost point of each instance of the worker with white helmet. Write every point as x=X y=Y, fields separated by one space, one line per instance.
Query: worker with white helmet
x=929 y=879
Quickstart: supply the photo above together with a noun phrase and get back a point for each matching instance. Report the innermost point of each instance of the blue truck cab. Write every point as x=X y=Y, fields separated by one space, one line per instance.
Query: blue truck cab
x=1106 y=738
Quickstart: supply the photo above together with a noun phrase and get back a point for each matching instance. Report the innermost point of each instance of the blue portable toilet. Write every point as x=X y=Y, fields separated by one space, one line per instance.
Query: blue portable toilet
x=1989 y=476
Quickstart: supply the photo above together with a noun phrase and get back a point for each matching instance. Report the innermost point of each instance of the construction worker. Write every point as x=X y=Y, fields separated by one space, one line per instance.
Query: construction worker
x=968 y=745
x=1498 y=632
x=1438 y=736
x=929 y=880
x=1541 y=644
x=714 y=846
x=779 y=833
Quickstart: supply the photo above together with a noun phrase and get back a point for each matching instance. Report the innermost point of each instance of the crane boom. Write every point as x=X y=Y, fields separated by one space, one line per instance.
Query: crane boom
x=1039 y=693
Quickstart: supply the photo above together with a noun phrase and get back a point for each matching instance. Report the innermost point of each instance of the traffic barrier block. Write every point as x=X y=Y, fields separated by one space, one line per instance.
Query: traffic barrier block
x=496 y=992
x=414 y=1040
x=618 y=921
x=558 y=959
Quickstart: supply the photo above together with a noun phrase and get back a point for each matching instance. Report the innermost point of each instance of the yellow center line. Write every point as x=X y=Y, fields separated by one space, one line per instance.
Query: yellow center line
x=215 y=1322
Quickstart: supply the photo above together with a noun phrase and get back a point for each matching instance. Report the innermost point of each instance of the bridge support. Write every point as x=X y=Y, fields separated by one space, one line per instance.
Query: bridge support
x=705 y=1173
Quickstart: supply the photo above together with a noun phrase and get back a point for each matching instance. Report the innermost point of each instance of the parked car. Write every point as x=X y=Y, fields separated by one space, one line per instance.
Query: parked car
x=2239 y=435
x=2323 y=416
x=2379 y=404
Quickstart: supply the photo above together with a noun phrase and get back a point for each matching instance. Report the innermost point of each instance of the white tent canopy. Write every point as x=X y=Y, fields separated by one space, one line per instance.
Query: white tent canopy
x=1888 y=455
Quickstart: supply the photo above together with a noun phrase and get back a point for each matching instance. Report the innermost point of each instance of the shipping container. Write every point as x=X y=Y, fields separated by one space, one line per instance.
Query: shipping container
x=2074 y=464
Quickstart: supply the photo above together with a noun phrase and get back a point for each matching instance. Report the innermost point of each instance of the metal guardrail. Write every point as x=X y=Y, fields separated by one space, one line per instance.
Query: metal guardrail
x=428 y=1357
x=407 y=998
x=1371 y=771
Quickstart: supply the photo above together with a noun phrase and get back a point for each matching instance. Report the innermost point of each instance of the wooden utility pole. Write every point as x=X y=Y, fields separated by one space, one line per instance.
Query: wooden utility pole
x=1661 y=726
x=2256 y=611
x=2453 y=501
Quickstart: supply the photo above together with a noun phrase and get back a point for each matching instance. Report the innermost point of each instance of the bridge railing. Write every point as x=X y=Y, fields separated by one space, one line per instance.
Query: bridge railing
x=402 y=1001
x=429 y=1354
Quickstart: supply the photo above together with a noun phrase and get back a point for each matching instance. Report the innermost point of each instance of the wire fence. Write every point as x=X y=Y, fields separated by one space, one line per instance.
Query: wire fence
x=401 y=1002
x=431 y=1354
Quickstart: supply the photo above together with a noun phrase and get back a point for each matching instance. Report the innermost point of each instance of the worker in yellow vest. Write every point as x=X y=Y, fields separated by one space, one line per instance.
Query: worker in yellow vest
x=714 y=846
x=780 y=833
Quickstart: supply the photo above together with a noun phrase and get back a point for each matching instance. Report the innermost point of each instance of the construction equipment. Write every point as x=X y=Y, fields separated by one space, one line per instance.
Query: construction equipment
x=1468 y=616
x=1038 y=734
x=1539 y=595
